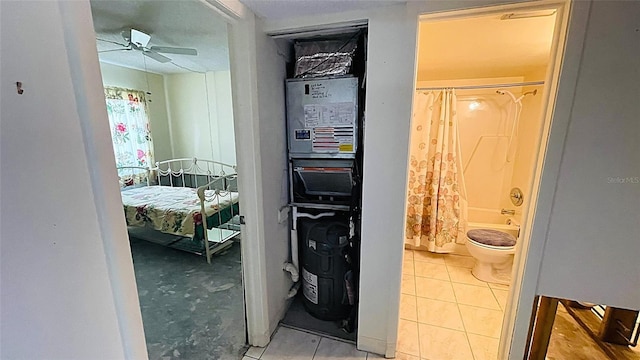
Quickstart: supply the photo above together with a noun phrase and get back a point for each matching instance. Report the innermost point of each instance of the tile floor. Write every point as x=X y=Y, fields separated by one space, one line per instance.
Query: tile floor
x=290 y=344
x=445 y=312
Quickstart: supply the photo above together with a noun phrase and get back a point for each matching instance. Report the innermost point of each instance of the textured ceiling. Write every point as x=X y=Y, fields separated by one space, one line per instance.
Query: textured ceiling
x=282 y=9
x=185 y=23
x=483 y=47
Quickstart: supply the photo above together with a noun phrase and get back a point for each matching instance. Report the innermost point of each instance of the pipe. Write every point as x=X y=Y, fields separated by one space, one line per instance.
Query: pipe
x=293 y=291
x=294 y=248
x=294 y=238
x=293 y=270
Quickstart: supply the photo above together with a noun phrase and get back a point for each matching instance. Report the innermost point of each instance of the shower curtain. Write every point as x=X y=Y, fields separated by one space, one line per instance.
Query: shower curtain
x=436 y=205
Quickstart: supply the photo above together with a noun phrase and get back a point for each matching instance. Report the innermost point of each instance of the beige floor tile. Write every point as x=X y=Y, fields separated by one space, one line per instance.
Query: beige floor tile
x=408 y=307
x=431 y=270
x=408 y=285
x=484 y=348
x=408 y=254
x=407 y=267
x=480 y=321
x=435 y=289
x=501 y=296
x=464 y=276
x=439 y=313
x=289 y=344
x=254 y=352
x=402 y=356
x=408 y=341
x=330 y=349
x=428 y=257
x=438 y=343
x=498 y=286
x=475 y=296
x=458 y=260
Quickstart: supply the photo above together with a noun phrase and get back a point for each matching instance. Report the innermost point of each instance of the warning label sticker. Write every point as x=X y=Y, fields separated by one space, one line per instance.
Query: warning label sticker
x=310 y=286
x=333 y=126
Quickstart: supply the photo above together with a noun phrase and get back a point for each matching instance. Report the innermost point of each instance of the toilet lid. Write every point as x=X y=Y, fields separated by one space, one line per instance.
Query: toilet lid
x=491 y=237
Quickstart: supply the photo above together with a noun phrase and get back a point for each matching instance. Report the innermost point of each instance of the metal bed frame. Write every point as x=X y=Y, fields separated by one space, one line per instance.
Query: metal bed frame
x=189 y=172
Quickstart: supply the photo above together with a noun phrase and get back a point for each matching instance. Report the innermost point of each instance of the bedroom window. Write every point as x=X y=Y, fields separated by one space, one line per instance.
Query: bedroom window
x=129 y=123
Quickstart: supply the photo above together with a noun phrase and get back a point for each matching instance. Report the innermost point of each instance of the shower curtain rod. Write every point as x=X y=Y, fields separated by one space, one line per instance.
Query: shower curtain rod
x=491 y=86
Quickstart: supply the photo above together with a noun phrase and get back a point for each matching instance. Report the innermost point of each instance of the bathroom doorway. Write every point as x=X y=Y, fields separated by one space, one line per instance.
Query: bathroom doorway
x=483 y=87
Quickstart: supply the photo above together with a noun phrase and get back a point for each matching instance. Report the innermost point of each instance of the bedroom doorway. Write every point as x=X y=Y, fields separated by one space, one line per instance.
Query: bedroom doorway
x=165 y=70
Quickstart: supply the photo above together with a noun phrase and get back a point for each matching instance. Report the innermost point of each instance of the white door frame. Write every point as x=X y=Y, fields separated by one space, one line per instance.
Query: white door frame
x=563 y=66
x=241 y=30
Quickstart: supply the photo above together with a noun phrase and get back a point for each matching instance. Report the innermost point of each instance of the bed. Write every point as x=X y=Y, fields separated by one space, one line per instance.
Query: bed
x=172 y=198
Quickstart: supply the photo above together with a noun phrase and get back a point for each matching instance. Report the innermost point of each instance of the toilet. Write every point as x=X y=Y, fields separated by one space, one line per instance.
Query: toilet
x=493 y=252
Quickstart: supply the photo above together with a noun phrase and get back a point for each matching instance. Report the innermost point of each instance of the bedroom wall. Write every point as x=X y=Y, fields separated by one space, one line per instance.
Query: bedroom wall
x=201 y=127
x=224 y=111
x=113 y=75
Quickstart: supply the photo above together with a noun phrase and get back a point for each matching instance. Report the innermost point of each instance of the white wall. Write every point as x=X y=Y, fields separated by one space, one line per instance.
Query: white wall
x=68 y=289
x=592 y=246
x=259 y=111
x=201 y=115
x=113 y=75
x=271 y=72
x=226 y=140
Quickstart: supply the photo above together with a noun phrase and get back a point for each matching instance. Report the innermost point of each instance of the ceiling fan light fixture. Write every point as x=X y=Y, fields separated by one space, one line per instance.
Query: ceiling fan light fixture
x=139 y=38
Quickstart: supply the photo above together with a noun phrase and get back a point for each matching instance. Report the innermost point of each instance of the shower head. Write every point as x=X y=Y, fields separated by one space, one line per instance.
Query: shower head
x=507 y=92
x=513 y=97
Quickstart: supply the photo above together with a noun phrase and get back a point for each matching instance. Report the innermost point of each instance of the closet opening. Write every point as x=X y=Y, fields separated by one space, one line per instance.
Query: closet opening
x=325 y=107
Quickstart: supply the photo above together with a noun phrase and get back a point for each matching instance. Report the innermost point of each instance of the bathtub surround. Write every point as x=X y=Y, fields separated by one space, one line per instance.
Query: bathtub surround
x=436 y=207
x=488 y=131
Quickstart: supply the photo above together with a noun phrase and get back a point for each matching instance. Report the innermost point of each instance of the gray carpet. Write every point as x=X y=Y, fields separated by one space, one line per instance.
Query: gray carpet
x=190 y=309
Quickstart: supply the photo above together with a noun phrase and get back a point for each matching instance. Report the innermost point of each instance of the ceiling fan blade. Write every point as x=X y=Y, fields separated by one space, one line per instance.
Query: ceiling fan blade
x=112 y=42
x=174 y=50
x=139 y=38
x=104 y=51
x=157 y=57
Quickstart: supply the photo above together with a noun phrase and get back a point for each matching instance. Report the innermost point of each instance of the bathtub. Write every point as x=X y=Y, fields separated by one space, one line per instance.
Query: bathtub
x=481 y=218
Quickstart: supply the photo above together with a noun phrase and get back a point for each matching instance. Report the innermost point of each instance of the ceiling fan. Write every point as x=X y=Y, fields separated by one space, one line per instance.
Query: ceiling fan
x=137 y=40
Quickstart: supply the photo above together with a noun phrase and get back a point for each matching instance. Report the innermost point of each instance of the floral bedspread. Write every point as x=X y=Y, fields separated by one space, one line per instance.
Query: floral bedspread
x=173 y=210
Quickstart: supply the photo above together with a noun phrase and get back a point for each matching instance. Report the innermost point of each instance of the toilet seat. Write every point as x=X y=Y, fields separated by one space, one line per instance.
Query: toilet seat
x=492 y=247
x=491 y=239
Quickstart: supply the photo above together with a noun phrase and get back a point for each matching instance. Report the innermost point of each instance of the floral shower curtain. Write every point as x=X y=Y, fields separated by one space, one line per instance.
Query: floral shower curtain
x=436 y=206
x=129 y=123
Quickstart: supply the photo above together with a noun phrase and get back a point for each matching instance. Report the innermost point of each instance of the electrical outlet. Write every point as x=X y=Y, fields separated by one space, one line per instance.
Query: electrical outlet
x=283 y=214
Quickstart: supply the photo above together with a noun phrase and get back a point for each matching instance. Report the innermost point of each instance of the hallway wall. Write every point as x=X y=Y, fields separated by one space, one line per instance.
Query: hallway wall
x=68 y=289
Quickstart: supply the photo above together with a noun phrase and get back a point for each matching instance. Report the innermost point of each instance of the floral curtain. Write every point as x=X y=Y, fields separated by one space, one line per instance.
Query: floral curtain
x=129 y=123
x=436 y=206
